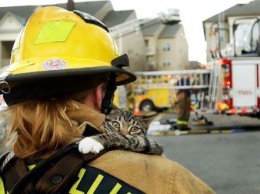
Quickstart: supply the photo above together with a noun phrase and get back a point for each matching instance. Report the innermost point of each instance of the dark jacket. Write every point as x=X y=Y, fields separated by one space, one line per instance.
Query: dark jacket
x=184 y=82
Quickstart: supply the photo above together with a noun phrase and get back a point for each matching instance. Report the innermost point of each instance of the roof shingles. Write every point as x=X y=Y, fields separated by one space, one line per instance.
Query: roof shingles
x=169 y=31
x=22 y=13
x=114 y=18
x=251 y=8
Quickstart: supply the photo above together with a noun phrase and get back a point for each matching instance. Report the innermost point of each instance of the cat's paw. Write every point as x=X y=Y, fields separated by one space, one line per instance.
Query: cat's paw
x=89 y=145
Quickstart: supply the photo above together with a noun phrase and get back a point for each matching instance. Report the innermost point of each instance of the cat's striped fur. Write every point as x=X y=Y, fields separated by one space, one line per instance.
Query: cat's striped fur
x=124 y=131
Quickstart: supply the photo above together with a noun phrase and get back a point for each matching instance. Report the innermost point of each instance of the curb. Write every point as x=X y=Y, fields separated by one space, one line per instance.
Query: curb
x=199 y=132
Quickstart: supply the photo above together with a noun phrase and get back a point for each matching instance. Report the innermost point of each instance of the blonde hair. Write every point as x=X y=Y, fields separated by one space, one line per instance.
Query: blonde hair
x=42 y=127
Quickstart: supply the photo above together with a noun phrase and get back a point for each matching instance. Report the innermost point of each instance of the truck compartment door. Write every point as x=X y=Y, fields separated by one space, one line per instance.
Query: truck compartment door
x=244 y=79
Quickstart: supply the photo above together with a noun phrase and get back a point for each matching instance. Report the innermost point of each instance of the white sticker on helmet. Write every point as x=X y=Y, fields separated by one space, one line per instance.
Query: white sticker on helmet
x=54 y=64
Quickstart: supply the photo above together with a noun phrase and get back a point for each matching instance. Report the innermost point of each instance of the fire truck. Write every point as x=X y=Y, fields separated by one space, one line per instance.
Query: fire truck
x=156 y=90
x=235 y=78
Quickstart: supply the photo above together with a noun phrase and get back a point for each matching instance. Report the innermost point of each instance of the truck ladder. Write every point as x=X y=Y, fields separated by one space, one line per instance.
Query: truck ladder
x=200 y=81
x=214 y=86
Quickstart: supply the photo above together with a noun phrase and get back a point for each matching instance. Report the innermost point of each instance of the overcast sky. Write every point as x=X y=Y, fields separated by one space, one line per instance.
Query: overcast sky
x=192 y=13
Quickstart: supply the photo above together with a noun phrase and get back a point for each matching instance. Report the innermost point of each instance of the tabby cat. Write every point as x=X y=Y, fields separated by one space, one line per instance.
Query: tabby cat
x=124 y=131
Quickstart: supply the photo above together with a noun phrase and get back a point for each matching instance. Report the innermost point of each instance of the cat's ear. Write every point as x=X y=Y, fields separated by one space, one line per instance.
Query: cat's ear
x=114 y=107
x=148 y=117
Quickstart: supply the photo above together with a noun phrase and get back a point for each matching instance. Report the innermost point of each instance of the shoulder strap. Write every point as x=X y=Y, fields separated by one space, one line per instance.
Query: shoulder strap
x=38 y=171
x=64 y=173
x=11 y=175
x=56 y=174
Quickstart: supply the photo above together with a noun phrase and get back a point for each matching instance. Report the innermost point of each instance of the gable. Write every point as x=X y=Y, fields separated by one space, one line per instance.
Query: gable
x=11 y=22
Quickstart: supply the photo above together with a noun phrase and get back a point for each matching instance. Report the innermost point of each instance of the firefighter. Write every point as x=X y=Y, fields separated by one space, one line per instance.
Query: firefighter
x=64 y=70
x=184 y=102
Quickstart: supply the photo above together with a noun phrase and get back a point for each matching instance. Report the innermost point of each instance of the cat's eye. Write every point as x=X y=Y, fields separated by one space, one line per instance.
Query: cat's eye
x=134 y=129
x=116 y=125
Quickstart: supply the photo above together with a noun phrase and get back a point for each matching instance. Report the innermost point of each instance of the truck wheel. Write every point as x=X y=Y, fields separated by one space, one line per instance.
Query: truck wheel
x=147 y=105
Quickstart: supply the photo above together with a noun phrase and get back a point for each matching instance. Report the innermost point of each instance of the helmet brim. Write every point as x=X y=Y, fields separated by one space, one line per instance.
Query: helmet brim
x=122 y=76
x=52 y=84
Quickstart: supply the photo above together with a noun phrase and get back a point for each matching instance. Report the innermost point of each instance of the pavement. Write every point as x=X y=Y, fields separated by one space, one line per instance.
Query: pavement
x=229 y=163
x=218 y=124
x=227 y=121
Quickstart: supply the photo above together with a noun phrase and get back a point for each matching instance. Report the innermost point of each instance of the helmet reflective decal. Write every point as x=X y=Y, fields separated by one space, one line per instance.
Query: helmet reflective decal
x=54 y=64
x=54 y=31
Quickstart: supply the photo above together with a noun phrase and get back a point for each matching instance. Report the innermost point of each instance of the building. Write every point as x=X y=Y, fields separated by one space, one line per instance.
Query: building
x=153 y=44
x=166 y=44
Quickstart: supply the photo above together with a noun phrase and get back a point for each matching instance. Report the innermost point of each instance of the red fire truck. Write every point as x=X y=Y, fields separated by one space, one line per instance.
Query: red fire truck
x=235 y=79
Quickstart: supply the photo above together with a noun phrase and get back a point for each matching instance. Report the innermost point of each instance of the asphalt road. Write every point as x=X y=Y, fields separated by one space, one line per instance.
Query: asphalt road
x=229 y=163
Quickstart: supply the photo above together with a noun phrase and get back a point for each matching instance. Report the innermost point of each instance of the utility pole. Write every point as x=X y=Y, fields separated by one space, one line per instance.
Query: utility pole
x=70 y=5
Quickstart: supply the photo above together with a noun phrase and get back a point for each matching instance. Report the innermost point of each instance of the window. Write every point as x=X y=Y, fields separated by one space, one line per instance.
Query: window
x=146 y=41
x=166 y=63
x=166 y=47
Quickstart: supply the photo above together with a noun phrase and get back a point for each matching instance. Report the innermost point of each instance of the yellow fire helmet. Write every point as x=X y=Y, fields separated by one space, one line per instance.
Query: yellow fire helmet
x=57 y=52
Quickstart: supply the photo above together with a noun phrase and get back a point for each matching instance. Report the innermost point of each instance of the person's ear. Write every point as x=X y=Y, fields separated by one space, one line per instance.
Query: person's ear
x=99 y=94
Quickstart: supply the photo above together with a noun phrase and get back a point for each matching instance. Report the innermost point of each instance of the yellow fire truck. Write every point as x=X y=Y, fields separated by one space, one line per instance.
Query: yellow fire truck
x=156 y=90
